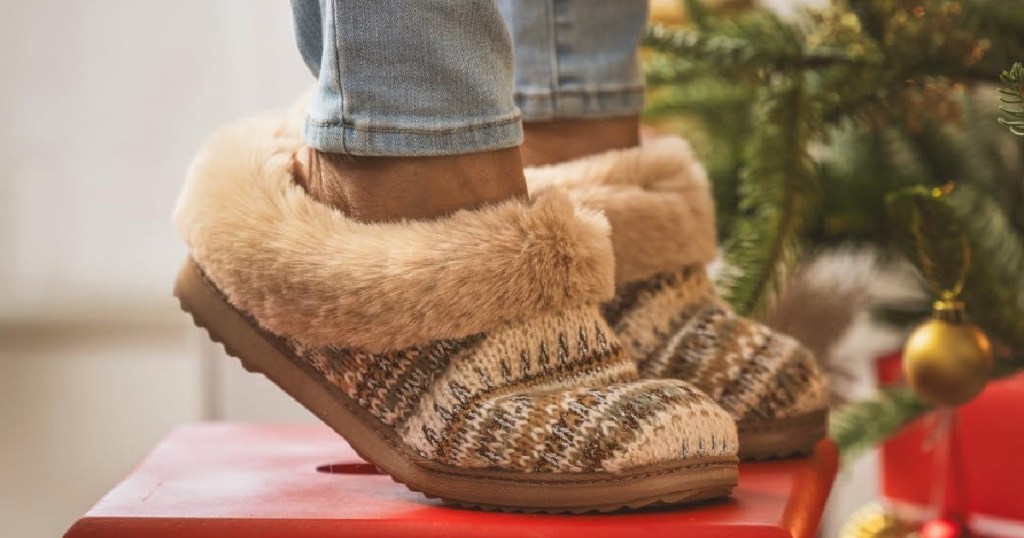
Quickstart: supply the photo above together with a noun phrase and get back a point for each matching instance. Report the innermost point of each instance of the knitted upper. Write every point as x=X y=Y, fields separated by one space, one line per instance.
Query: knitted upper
x=665 y=310
x=553 y=394
x=676 y=326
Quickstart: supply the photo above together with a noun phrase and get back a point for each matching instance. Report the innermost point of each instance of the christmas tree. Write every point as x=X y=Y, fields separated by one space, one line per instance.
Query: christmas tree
x=868 y=122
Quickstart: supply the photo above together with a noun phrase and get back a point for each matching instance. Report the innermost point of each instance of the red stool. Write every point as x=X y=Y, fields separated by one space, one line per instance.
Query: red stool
x=226 y=480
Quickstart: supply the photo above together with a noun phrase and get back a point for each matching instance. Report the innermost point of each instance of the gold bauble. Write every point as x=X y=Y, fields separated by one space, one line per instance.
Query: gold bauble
x=872 y=521
x=946 y=360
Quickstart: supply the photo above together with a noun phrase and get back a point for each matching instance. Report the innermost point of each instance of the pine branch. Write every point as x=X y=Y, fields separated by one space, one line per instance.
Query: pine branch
x=770 y=44
x=698 y=13
x=1000 y=23
x=994 y=287
x=871 y=18
x=858 y=78
x=706 y=94
x=1004 y=156
x=994 y=292
x=930 y=235
x=948 y=154
x=853 y=106
x=663 y=69
x=1013 y=99
x=724 y=51
x=858 y=171
x=862 y=425
x=777 y=185
x=1005 y=15
x=726 y=131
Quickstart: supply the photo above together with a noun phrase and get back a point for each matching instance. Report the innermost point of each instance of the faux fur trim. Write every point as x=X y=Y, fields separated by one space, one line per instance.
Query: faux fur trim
x=306 y=271
x=657 y=198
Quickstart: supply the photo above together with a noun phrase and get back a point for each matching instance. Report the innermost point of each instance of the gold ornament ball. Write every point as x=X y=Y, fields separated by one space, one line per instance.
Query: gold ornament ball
x=872 y=521
x=947 y=363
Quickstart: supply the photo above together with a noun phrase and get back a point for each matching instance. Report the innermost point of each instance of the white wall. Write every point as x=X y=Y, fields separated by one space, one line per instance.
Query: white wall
x=102 y=104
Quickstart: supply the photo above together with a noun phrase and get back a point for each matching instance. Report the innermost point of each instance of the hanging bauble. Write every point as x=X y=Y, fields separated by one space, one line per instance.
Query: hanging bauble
x=946 y=360
x=942 y=528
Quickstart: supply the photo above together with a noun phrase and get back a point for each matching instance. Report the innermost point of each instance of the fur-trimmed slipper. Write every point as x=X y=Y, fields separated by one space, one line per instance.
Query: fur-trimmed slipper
x=466 y=357
x=666 y=311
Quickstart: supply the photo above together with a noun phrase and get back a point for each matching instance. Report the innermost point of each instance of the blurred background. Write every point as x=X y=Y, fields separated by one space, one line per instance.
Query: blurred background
x=103 y=103
x=102 y=106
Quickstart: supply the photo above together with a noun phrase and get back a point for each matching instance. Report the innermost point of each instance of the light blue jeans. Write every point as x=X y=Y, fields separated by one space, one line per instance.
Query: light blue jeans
x=443 y=77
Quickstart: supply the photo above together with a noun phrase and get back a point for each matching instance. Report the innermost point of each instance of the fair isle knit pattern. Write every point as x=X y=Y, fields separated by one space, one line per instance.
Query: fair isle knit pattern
x=675 y=326
x=551 y=394
x=665 y=310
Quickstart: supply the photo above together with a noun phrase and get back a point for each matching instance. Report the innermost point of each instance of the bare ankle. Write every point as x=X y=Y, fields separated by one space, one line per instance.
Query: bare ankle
x=381 y=189
x=551 y=142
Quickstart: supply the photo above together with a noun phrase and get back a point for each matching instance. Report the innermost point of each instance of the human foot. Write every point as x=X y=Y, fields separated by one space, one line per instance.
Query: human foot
x=666 y=311
x=556 y=141
x=465 y=356
x=388 y=189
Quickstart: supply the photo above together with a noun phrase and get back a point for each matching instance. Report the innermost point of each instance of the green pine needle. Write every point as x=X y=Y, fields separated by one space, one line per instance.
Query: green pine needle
x=746 y=48
x=930 y=230
x=861 y=425
x=777 y=185
x=1013 y=99
x=994 y=292
x=698 y=13
x=929 y=233
x=706 y=94
x=663 y=69
x=694 y=45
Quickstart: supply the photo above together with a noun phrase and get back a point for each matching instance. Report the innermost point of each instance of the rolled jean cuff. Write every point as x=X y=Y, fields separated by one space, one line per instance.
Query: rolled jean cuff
x=500 y=133
x=544 y=105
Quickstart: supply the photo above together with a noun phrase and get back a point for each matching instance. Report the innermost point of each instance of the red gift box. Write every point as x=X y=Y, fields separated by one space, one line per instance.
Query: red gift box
x=224 y=480
x=984 y=471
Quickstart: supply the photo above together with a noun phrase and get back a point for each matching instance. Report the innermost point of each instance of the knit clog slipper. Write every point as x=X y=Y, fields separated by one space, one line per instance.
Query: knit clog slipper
x=666 y=311
x=466 y=357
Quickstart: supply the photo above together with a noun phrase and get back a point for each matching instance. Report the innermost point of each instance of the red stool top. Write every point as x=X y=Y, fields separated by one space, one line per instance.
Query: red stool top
x=227 y=480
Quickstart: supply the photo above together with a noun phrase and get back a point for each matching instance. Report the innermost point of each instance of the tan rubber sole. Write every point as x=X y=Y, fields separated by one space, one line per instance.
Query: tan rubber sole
x=680 y=482
x=791 y=436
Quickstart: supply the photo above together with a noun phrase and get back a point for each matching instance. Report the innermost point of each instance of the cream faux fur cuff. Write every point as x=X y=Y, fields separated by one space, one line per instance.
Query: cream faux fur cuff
x=657 y=198
x=304 y=270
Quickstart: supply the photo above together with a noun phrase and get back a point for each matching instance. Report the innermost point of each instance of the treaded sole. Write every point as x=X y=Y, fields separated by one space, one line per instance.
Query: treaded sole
x=712 y=479
x=655 y=502
x=782 y=438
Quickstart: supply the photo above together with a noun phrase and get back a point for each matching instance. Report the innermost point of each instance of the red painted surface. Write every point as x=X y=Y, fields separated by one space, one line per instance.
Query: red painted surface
x=984 y=476
x=223 y=481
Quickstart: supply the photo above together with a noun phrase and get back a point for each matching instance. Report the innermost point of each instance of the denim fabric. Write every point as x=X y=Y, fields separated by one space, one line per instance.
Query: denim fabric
x=576 y=58
x=408 y=77
x=436 y=77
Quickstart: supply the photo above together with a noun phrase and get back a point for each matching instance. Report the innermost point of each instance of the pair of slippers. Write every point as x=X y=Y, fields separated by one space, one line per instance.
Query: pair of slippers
x=562 y=354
